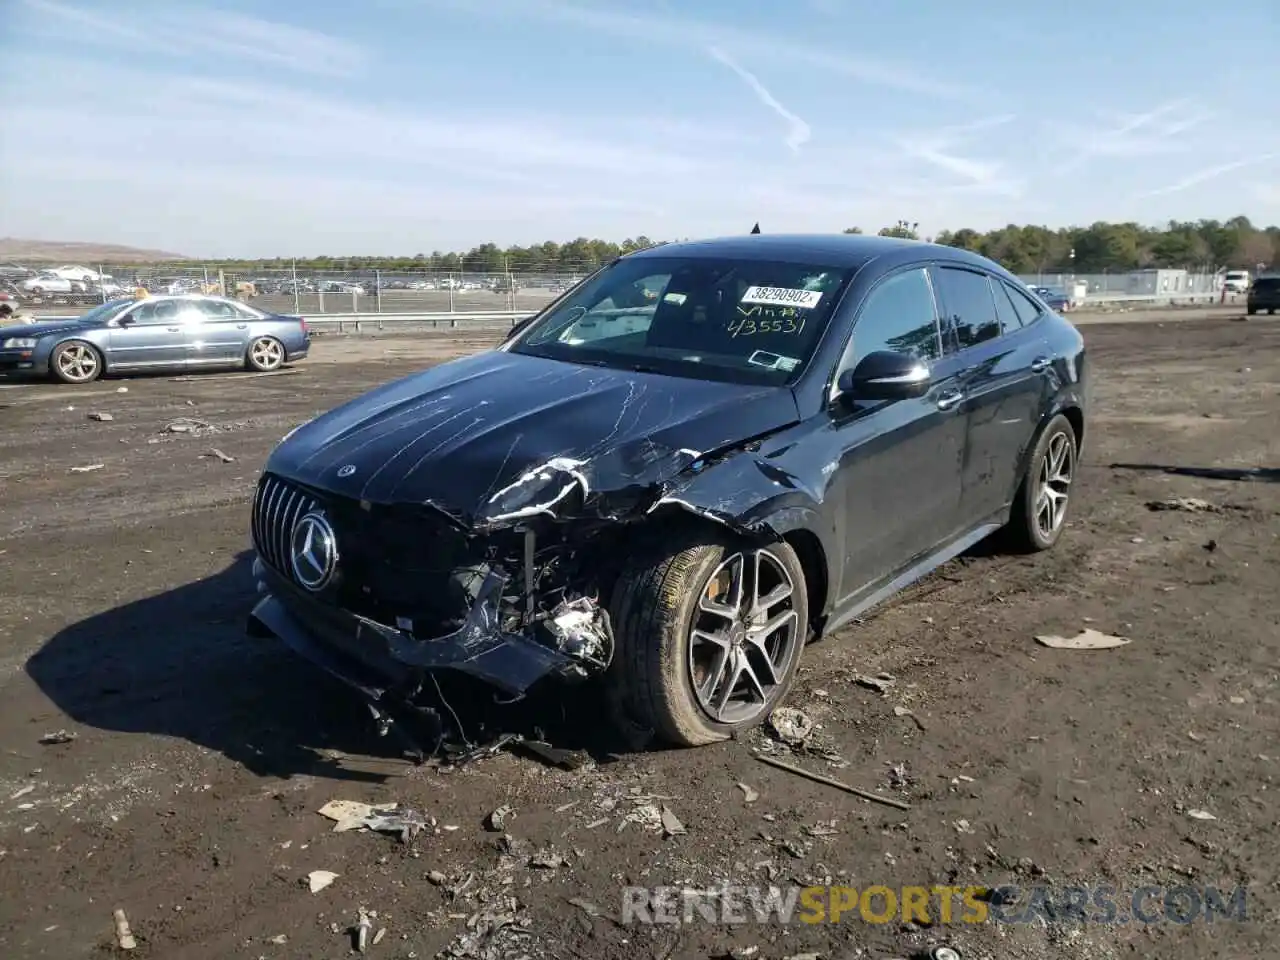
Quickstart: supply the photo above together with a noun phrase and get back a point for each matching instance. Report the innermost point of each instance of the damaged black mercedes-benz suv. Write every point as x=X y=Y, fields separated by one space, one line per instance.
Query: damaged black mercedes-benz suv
x=674 y=476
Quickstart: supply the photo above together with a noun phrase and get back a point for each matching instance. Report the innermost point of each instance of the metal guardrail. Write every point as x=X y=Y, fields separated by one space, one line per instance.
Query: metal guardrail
x=445 y=320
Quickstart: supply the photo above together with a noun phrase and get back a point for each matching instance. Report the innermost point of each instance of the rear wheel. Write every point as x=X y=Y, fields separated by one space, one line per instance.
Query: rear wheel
x=708 y=638
x=76 y=362
x=265 y=354
x=1040 y=507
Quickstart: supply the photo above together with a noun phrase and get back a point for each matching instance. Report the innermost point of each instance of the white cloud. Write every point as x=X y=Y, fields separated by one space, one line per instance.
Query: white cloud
x=1209 y=173
x=798 y=131
x=686 y=33
x=1123 y=136
x=178 y=31
x=939 y=149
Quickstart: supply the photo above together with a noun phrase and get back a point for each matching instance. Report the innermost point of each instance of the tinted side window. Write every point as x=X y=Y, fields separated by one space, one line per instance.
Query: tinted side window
x=971 y=310
x=217 y=310
x=1005 y=309
x=899 y=315
x=157 y=312
x=1028 y=309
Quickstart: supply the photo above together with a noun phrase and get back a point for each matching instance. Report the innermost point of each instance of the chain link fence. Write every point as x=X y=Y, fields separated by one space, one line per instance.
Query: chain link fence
x=297 y=290
x=369 y=290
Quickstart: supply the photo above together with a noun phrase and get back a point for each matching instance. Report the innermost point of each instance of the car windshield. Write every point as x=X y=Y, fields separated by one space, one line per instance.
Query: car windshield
x=104 y=311
x=742 y=321
x=1266 y=283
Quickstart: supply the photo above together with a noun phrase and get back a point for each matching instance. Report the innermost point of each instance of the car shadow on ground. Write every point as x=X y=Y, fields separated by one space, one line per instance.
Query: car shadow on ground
x=180 y=665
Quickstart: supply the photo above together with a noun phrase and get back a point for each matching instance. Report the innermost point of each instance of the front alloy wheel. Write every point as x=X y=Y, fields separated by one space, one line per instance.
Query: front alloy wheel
x=708 y=638
x=76 y=362
x=744 y=637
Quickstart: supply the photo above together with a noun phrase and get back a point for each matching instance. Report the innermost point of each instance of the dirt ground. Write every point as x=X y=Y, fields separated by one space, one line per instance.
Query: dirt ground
x=188 y=795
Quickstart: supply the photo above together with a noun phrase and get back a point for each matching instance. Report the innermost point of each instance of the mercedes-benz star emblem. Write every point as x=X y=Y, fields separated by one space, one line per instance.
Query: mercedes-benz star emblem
x=347 y=471
x=313 y=552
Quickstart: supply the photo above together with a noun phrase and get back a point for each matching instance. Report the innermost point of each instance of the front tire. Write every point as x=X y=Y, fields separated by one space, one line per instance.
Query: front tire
x=708 y=639
x=76 y=362
x=1040 y=507
x=265 y=354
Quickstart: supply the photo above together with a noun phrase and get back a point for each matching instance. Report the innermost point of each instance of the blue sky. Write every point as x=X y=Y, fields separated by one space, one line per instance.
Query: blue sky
x=403 y=126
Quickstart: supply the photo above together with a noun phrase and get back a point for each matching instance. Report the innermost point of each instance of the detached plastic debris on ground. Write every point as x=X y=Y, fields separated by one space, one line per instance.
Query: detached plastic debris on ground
x=1088 y=639
x=379 y=818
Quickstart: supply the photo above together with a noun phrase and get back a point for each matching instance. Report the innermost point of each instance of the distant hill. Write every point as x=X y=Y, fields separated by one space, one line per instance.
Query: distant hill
x=87 y=254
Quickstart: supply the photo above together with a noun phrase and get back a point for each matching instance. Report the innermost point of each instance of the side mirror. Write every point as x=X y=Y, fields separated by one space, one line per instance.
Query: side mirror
x=886 y=375
x=126 y=322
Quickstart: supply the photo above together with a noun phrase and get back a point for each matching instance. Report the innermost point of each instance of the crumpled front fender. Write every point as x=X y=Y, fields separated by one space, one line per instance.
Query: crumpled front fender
x=755 y=494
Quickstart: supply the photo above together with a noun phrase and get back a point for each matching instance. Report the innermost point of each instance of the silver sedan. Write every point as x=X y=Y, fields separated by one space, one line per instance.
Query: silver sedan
x=155 y=333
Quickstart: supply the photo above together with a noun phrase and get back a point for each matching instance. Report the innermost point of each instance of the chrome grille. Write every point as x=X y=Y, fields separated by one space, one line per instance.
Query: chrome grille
x=277 y=506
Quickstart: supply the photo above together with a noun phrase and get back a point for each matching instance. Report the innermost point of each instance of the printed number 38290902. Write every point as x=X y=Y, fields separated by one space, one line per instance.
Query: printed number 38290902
x=750 y=325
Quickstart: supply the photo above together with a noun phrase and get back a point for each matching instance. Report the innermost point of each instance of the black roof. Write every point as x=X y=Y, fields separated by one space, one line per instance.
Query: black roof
x=847 y=250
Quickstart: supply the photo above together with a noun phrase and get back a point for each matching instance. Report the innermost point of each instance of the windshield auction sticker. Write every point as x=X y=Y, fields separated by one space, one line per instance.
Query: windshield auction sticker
x=783 y=297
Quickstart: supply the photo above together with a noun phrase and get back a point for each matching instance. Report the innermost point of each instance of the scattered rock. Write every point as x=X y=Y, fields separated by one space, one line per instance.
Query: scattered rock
x=1185 y=504
x=88 y=469
x=879 y=683
x=547 y=859
x=317 y=880
x=186 y=425
x=790 y=725
x=58 y=736
x=586 y=906
x=1201 y=815
x=905 y=712
x=748 y=794
x=101 y=417
x=497 y=821
x=671 y=825
x=124 y=936
x=217 y=454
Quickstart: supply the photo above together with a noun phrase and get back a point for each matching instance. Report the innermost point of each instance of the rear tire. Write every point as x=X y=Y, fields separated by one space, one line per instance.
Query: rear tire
x=1044 y=496
x=265 y=354
x=708 y=638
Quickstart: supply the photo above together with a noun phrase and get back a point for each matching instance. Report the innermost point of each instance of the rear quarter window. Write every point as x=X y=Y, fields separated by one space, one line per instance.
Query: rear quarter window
x=1028 y=310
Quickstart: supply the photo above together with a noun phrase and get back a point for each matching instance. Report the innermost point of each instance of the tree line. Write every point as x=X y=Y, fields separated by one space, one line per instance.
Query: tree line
x=1201 y=245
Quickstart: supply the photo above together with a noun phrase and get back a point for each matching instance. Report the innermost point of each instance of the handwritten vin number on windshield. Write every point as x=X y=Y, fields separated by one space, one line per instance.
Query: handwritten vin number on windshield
x=756 y=320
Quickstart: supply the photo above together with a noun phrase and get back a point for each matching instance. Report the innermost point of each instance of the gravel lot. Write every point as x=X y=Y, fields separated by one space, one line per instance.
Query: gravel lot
x=188 y=797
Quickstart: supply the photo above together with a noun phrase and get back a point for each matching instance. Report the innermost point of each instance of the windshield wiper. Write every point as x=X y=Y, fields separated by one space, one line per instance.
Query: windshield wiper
x=632 y=366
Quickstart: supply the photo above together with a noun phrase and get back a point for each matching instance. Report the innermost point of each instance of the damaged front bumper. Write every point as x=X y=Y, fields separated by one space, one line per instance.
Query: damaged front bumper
x=376 y=658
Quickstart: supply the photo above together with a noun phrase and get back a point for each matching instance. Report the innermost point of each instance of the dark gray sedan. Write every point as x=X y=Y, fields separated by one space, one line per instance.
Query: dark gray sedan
x=155 y=333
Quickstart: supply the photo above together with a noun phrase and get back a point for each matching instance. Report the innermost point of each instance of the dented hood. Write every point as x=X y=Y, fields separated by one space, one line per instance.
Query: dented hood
x=496 y=436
